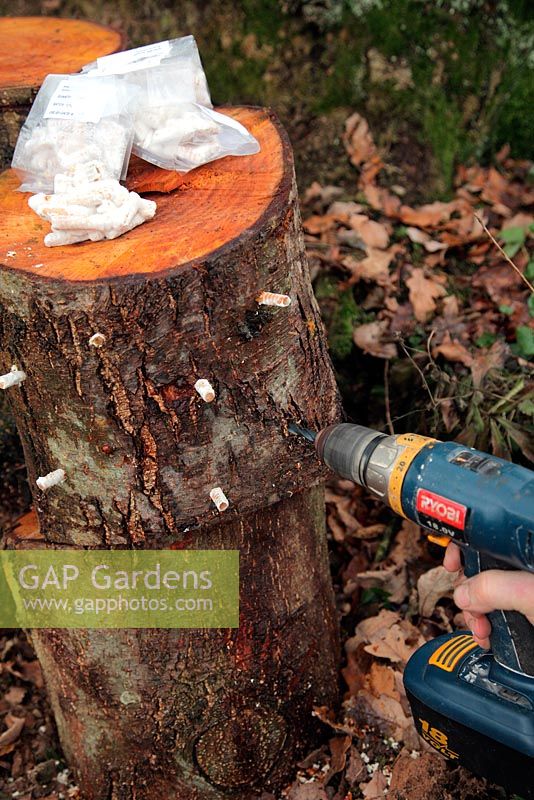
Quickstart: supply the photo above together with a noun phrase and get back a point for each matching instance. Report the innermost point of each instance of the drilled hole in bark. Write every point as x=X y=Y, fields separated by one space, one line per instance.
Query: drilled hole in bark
x=243 y=750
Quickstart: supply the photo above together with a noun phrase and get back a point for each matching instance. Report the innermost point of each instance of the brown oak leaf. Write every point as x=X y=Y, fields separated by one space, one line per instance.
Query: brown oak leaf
x=371 y=338
x=453 y=350
x=432 y=586
x=423 y=293
x=358 y=140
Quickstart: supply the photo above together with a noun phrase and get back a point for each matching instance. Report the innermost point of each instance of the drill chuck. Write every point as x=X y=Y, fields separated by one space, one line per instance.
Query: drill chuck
x=346 y=449
x=364 y=456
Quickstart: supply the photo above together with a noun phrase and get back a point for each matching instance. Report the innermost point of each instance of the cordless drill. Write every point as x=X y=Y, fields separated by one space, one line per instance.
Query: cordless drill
x=474 y=706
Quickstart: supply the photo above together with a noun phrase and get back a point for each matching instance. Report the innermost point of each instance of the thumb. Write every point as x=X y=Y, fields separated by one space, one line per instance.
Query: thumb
x=497 y=590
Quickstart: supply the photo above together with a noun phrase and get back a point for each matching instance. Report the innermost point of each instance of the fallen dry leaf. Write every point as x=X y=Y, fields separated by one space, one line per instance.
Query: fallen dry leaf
x=339 y=746
x=15 y=695
x=355 y=672
x=448 y=414
x=324 y=195
x=372 y=233
x=342 y=210
x=327 y=716
x=385 y=713
x=338 y=531
x=493 y=358
x=427 y=216
x=432 y=586
x=14 y=729
x=382 y=200
x=451 y=306
x=374 y=267
x=370 y=338
x=307 y=791
x=356 y=769
x=421 y=237
x=391 y=578
x=30 y=671
x=376 y=787
x=407 y=546
x=381 y=681
x=416 y=235
x=373 y=627
x=423 y=293
x=453 y=350
x=319 y=224
x=520 y=220
x=394 y=646
x=387 y=636
x=358 y=140
x=501 y=282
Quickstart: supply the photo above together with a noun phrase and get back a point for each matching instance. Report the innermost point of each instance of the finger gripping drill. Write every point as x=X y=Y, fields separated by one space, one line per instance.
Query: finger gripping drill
x=474 y=706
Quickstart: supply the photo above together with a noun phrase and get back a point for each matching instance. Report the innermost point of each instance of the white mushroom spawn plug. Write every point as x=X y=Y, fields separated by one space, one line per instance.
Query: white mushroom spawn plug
x=273 y=299
x=86 y=205
x=52 y=479
x=56 y=146
x=13 y=378
x=219 y=498
x=205 y=390
x=97 y=340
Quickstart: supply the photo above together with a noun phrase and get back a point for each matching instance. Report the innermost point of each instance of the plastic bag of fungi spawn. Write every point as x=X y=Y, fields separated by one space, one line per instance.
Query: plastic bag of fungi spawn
x=181 y=52
x=75 y=120
x=175 y=126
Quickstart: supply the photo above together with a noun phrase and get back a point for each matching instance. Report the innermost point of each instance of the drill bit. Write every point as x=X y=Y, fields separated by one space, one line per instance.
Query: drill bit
x=305 y=432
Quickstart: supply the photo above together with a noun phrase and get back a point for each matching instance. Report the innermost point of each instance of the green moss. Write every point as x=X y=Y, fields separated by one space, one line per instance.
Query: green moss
x=514 y=121
x=339 y=79
x=341 y=316
x=235 y=80
x=265 y=18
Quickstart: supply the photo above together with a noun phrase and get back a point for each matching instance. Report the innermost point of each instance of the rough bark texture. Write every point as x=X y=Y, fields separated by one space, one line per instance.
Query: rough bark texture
x=220 y=713
x=32 y=47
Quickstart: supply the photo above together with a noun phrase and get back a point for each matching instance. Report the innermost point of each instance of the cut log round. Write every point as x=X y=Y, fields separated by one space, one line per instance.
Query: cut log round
x=30 y=49
x=221 y=712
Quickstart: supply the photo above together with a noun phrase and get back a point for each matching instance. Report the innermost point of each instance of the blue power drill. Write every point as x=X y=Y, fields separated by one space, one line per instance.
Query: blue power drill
x=474 y=706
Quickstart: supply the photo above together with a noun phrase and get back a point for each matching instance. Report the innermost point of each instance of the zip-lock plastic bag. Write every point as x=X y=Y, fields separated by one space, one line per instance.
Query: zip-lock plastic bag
x=73 y=121
x=181 y=52
x=183 y=136
x=175 y=126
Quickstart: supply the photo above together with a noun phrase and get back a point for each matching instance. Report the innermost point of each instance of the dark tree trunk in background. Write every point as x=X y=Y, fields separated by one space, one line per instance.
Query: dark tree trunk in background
x=219 y=712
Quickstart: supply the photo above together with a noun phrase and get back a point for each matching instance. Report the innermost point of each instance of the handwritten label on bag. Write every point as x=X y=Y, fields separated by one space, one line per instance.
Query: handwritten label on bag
x=76 y=101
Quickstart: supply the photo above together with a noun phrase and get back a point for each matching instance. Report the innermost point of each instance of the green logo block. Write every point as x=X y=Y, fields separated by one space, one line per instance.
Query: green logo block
x=119 y=589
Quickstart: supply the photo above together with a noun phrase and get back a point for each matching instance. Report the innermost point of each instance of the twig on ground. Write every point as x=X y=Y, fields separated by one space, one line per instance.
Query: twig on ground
x=503 y=253
x=419 y=370
x=386 y=398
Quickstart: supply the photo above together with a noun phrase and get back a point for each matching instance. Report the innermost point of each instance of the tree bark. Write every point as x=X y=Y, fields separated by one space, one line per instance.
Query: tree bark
x=32 y=47
x=221 y=713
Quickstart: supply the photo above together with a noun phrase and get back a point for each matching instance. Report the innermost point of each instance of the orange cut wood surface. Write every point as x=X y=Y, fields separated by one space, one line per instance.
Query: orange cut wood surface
x=32 y=47
x=212 y=205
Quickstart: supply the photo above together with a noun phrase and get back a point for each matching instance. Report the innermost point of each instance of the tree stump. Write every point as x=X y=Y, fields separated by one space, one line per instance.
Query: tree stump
x=31 y=48
x=221 y=713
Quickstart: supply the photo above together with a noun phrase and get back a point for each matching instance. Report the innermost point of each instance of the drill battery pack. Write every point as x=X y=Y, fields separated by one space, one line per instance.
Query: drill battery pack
x=473 y=711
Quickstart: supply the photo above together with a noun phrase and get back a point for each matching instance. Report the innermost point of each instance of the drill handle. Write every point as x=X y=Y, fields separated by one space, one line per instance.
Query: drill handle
x=512 y=635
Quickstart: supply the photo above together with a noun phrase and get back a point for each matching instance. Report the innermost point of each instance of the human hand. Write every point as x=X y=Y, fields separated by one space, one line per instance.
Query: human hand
x=488 y=591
